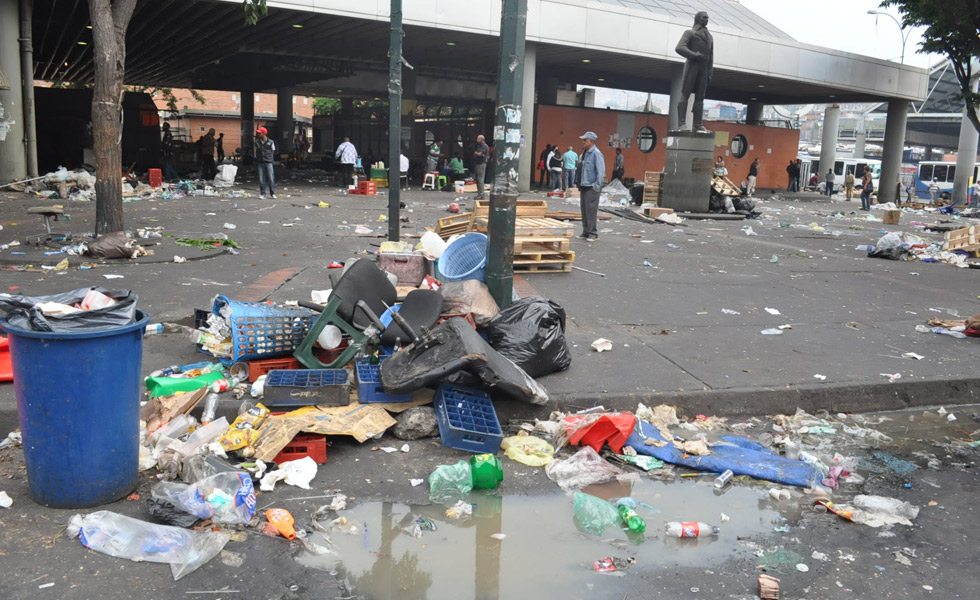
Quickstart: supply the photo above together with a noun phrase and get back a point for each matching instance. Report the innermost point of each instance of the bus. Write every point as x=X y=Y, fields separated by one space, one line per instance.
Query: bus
x=811 y=164
x=944 y=172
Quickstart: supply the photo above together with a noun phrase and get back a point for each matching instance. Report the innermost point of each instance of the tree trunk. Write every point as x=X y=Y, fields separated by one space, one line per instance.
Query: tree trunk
x=109 y=23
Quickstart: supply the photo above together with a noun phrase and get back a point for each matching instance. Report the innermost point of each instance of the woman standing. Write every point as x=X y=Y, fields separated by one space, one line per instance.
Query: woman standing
x=867 y=188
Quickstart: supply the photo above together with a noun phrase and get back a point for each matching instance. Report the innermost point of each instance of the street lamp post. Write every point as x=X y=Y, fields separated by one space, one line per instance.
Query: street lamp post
x=901 y=30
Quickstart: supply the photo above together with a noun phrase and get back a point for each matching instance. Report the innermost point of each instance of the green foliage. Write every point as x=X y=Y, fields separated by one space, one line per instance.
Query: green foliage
x=254 y=10
x=951 y=28
x=326 y=106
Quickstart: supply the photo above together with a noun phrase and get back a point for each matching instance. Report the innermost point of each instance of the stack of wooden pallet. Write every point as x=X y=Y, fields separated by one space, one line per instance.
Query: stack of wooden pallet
x=541 y=244
x=652 y=183
x=966 y=239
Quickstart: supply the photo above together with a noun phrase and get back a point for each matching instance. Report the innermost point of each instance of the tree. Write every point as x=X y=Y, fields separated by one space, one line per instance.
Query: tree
x=951 y=29
x=110 y=20
x=326 y=106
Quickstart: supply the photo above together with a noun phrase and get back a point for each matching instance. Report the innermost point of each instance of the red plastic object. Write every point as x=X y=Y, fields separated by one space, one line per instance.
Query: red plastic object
x=156 y=178
x=613 y=428
x=6 y=367
x=303 y=445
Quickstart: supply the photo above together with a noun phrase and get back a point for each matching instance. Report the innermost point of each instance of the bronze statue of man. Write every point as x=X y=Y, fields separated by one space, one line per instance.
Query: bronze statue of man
x=698 y=48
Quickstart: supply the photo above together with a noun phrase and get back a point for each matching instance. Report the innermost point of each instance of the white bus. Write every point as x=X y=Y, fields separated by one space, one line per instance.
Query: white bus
x=811 y=164
x=944 y=173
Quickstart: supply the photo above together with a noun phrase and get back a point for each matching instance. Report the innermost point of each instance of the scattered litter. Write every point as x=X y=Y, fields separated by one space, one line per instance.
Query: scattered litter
x=602 y=345
x=819 y=556
x=416 y=482
x=912 y=355
x=498 y=536
x=5 y=500
x=772 y=311
x=729 y=311
x=773 y=331
x=230 y=226
x=295 y=472
x=113 y=276
x=892 y=376
x=820 y=377
x=747 y=230
x=802 y=568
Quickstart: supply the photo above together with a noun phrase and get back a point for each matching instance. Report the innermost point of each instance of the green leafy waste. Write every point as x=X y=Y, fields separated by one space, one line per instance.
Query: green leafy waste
x=204 y=243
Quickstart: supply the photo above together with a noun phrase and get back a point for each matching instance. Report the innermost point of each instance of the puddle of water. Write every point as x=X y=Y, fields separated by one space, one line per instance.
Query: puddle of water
x=543 y=555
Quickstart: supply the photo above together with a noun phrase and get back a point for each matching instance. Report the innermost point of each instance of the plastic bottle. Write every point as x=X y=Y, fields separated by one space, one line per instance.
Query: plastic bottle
x=940 y=330
x=210 y=406
x=690 y=529
x=224 y=384
x=865 y=248
x=814 y=461
x=723 y=479
x=486 y=470
x=258 y=387
x=166 y=371
x=631 y=520
x=282 y=520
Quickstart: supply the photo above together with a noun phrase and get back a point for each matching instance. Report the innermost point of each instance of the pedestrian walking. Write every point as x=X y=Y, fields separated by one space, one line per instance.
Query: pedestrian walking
x=789 y=175
x=933 y=190
x=619 y=165
x=867 y=188
x=975 y=194
x=593 y=176
x=849 y=184
x=753 y=175
x=167 y=154
x=219 y=145
x=208 y=170
x=554 y=169
x=480 y=154
x=347 y=155
x=797 y=172
x=570 y=162
x=829 y=183
x=265 y=153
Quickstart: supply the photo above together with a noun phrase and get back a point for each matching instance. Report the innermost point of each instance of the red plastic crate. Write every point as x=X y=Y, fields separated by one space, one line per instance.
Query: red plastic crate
x=258 y=368
x=303 y=445
x=156 y=178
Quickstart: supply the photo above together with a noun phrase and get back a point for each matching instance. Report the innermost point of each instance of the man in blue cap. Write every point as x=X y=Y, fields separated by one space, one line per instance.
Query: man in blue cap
x=593 y=176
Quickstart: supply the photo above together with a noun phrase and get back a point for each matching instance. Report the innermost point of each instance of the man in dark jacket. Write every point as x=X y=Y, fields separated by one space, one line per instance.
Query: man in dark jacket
x=265 y=153
x=208 y=170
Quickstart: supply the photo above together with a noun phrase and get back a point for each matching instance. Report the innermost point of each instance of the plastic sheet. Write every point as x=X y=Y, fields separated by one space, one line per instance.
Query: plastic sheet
x=583 y=468
x=124 y=537
x=531 y=332
x=224 y=498
x=449 y=482
x=742 y=456
x=593 y=515
x=528 y=450
x=22 y=311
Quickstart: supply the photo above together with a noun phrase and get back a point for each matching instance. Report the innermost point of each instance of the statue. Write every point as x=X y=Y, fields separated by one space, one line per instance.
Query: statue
x=698 y=48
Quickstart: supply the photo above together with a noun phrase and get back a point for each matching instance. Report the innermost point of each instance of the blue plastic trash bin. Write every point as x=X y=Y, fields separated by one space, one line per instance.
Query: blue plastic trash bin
x=78 y=397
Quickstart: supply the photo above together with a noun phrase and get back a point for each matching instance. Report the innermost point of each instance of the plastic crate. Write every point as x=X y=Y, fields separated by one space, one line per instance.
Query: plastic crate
x=369 y=388
x=262 y=330
x=254 y=369
x=304 y=387
x=467 y=420
x=303 y=445
x=155 y=177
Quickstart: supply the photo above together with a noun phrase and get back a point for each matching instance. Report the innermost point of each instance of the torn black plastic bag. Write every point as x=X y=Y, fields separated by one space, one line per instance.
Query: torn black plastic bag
x=894 y=253
x=450 y=348
x=531 y=332
x=21 y=311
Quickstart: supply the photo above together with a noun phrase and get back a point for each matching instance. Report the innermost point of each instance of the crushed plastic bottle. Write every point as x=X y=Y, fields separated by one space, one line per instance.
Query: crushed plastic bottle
x=210 y=407
x=940 y=330
x=689 y=529
x=224 y=497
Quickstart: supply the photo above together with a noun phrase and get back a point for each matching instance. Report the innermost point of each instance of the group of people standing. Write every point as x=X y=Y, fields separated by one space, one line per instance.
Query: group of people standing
x=793 y=171
x=206 y=146
x=559 y=170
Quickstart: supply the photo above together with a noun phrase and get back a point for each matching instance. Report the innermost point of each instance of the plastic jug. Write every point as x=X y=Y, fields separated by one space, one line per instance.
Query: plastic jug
x=487 y=471
x=282 y=520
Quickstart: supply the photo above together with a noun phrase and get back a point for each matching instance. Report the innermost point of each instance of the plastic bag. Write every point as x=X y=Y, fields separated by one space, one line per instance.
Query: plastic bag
x=225 y=176
x=470 y=296
x=593 y=515
x=117 y=244
x=531 y=332
x=528 y=450
x=295 y=472
x=449 y=482
x=876 y=511
x=168 y=514
x=583 y=468
x=22 y=312
x=224 y=498
x=124 y=537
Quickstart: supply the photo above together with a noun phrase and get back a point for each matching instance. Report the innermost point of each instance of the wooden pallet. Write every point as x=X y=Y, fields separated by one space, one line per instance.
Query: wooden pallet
x=724 y=186
x=652 y=182
x=533 y=226
x=543 y=268
x=450 y=226
x=525 y=208
x=563 y=215
x=966 y=239
x=538 y=245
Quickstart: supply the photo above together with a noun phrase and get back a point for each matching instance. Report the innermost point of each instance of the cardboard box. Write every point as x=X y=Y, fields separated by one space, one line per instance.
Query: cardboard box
x=655 y=211
x=891 y=217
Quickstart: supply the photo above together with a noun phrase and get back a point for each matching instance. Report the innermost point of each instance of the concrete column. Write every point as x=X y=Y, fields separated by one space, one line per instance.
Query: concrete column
x=284 y=119
x=525 y=168
x=891 y=158
x=248 y=122
x=676 y=83
x=828 y=147
x=966 y=154
x=753 y=113
x=859 y=144
x=13 y=163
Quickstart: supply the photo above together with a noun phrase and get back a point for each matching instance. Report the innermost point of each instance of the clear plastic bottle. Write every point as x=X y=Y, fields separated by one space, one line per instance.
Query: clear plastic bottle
x=165 y=372
x=940 y=330
x=210 y=407
x=690 y=529
x=814 y=461
x=865 y=248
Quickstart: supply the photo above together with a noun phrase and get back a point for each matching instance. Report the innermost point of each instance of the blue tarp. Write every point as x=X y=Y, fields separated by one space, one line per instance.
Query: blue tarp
x=743 y=457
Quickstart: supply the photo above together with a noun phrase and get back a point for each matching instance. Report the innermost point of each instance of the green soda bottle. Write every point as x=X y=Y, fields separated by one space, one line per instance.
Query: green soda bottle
x=631 y=520
x=487 y=471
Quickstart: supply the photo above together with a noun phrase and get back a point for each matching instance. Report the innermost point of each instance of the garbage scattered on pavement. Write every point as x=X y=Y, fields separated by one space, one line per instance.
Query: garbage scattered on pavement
x=602 y=345
x=5 y=500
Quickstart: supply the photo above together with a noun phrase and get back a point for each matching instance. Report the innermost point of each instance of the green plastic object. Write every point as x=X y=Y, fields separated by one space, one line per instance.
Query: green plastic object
x=487 y=471
x=168 y=386
x=631 y=520
x=304 y=352
x=448 y=483
x=593 y=515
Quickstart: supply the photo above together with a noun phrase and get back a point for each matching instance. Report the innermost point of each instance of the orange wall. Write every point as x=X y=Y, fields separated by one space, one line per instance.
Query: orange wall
x=563 y=124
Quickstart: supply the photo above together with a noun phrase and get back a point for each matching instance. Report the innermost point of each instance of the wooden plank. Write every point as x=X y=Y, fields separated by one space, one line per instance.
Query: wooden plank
x=547 y=268
x=562 y=215
x=533 y=226
x=539 y=245
x=525 y=208
x=545 y=259
x=450 y=226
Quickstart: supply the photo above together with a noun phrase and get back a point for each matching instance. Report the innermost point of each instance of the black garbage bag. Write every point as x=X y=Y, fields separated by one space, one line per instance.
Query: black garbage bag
x=168 y=514
x=22 y=312
x=894 y=253
x=531 y=332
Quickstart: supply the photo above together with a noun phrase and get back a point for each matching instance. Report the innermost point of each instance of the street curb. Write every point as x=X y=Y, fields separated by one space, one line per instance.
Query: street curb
x=744 y=402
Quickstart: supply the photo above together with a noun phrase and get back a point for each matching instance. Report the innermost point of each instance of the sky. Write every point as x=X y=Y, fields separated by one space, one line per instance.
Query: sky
x=845 y=25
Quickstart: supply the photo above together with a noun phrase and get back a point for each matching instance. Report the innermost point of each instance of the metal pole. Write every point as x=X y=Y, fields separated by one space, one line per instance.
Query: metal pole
x=395 y=122
x=27 y=80
x=507 y=147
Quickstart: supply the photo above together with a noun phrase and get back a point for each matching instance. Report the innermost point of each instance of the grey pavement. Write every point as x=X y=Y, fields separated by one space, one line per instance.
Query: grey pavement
x=852 y=317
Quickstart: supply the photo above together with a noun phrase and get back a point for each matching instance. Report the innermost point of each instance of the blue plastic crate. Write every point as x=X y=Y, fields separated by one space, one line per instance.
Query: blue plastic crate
x=260 y=330
x=369 y=387
x=304 y=387
x=467 y=420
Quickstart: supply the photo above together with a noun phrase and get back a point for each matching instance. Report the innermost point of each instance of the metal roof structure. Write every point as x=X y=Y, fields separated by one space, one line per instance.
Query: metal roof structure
x=322 y=46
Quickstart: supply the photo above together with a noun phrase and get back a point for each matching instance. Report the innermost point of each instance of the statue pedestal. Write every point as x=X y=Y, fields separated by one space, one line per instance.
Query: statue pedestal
x=687 y=172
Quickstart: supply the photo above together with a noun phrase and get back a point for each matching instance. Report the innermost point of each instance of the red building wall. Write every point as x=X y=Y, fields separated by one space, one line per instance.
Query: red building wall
x=563 y=125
